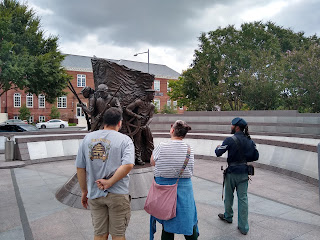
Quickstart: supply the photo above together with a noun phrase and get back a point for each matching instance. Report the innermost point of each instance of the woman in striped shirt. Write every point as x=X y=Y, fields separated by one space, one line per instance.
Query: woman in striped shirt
x=168 y=159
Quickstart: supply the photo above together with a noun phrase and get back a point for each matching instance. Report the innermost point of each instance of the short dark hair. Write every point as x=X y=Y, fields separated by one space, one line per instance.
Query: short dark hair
x=112 y=116
x=181 y=128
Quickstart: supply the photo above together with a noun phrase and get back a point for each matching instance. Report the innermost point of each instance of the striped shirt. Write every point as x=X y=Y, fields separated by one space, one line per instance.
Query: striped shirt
x=169 y=158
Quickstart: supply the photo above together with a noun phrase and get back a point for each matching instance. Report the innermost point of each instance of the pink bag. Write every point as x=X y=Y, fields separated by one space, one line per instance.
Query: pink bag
x=161 y=201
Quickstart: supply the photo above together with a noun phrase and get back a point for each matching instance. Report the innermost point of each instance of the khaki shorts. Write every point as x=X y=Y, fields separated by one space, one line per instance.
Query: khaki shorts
x=110 y=214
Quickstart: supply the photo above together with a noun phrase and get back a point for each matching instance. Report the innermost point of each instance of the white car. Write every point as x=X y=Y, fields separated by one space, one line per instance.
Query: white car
x=53 y=123
x=14 y=121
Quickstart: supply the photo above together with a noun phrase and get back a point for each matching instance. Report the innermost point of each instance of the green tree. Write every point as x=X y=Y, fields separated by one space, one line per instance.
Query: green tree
x=168 y=110
x=28 y=60
x=302 y=80
x=24 y=113
x=156 y=111
x=231 y=67
x=54 y=112
x=262 y=82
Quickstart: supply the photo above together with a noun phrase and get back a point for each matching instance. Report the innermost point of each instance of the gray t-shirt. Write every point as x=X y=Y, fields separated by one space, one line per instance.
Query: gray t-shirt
x=101 y=153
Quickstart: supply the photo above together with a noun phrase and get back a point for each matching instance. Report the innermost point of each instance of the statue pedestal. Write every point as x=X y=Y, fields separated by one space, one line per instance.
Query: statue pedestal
x=141 y=178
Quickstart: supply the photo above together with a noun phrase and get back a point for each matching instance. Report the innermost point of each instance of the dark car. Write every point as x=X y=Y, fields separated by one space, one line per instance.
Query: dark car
x=18 y=128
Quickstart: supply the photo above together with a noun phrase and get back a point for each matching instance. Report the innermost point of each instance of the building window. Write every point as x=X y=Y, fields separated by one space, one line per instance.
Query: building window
x=17 y=100
x=168 y=89
x=16 y=117
x=157 y=103
x=81 y=80
x=175 y=103
x=157 y=85
x=42 y=118
x=31 y=119
x=62 y=102
x=169 y=103
x=29 y=100
x=42 y=101
x=80 y=112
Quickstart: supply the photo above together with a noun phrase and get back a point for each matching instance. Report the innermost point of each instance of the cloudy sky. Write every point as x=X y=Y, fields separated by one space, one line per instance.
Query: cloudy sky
x=118 y=29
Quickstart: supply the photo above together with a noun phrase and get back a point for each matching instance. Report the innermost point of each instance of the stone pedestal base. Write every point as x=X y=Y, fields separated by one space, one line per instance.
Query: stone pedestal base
x=140 y=182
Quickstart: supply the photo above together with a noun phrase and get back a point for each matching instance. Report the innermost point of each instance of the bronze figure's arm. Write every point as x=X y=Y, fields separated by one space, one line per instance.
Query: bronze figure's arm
x=132 y=106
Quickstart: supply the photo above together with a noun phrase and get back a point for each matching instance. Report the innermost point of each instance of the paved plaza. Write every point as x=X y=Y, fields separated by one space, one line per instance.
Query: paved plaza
x=280 y=207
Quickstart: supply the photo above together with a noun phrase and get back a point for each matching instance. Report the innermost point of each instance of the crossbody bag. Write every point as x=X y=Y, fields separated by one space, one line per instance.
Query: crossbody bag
x=161 y=201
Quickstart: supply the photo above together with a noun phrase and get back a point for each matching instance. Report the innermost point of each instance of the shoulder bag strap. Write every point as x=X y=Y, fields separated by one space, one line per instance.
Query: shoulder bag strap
x=185 y=163
x=242 y=157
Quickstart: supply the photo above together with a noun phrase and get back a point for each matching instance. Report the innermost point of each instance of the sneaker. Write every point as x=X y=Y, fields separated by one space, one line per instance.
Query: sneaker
x=244 y=233
x=221 y=216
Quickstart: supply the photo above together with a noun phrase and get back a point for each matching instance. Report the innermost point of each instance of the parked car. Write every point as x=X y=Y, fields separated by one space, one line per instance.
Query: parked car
x=11 y=121
x=17 y=127
x=53 y=123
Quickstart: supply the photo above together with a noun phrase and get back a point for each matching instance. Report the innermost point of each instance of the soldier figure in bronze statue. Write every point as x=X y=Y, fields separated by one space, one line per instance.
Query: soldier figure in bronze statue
x=88 y=92
x=142 y=110
x=103 y=101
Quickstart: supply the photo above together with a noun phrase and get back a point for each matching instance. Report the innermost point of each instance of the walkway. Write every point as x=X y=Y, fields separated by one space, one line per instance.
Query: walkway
x=280 y=207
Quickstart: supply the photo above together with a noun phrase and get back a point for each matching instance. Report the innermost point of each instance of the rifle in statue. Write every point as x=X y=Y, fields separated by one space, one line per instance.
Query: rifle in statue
x=76 y=95
x=95 y=124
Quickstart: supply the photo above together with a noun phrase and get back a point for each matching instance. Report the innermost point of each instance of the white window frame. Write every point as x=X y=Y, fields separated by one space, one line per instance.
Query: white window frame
x=156 y=85
x=29 y=100
x=62 y=102
x=42 y=101
x=157 y=103
x=42 y=118
x=16 y=117
x=81 y=80
x=175 y=104
x=168 y=88
x=169 y=103
x=31 y=119
x=17 y=100
x=80 y=110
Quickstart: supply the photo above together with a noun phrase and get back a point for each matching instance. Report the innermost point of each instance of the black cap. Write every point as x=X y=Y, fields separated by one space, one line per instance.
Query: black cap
x=239 y=122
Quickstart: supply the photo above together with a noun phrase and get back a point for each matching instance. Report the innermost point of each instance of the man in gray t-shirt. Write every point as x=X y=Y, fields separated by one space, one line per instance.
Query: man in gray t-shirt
x=103 y=163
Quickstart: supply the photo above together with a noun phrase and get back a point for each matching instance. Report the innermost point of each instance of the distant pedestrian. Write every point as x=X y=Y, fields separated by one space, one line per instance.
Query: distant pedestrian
x=241 y=149
x=168 y=158
x=104 y=160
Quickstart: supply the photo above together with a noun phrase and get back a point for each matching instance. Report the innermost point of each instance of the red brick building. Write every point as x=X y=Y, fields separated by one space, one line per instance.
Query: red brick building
x=79 y=67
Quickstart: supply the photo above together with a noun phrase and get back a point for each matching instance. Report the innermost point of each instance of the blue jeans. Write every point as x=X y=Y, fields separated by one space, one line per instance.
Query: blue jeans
x=240 y=183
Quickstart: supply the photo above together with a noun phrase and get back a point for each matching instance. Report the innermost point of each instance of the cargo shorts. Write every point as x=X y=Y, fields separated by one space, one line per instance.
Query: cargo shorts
x=110 y=214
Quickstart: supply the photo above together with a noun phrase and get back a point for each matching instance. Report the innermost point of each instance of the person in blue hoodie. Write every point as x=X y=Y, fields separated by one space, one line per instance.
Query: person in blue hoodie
x=241 y=149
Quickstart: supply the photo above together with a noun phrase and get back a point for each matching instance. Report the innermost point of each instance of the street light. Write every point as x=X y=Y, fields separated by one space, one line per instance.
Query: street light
x=143 y=53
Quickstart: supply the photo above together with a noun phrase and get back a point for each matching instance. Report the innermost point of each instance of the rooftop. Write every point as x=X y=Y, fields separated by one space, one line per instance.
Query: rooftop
x=83 y=64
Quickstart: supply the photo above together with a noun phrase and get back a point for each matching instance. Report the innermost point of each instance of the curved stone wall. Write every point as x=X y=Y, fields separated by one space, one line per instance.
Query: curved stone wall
x=260 y=122
x=292 y=151
x=296 y=160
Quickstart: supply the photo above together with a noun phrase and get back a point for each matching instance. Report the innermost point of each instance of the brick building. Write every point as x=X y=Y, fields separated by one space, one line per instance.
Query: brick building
x=79 y=67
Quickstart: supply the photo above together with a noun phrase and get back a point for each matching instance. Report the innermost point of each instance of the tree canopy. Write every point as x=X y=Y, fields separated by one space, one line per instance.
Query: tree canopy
x=249 y=68
x=28 y=60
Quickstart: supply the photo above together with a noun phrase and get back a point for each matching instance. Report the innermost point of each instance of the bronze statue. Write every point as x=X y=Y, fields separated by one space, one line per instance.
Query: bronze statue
x=89 y=93
x=135 y=97
x=142 y=111
x=103 y=101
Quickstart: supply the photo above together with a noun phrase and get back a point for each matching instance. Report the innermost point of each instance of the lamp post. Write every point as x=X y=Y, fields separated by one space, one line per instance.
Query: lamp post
x=143 y=53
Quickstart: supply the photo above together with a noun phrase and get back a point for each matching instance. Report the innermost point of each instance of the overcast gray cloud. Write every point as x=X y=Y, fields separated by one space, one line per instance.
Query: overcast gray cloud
x=169 y=28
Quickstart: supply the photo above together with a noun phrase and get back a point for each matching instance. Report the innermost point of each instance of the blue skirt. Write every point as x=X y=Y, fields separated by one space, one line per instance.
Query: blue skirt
x=186 y=217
